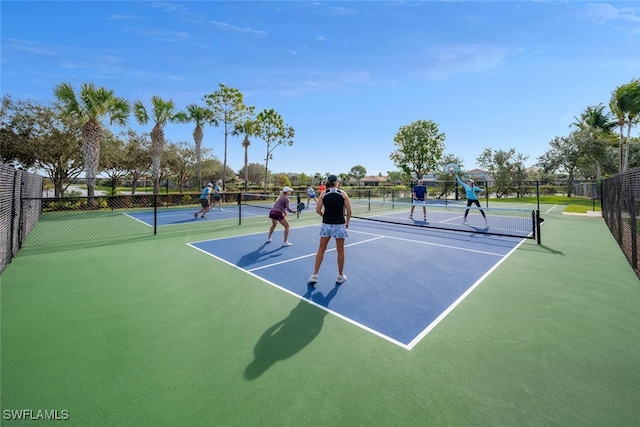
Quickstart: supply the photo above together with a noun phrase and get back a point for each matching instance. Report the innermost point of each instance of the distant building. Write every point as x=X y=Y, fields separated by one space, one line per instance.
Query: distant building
x=374 y=181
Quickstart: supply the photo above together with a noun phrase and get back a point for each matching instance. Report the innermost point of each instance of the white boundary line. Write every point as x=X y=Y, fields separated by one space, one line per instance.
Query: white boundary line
x=418 y=337
x=449 y=309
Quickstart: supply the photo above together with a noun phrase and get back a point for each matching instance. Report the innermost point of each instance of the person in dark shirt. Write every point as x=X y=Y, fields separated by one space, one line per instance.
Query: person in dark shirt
x=419 y=194
x=335 y=208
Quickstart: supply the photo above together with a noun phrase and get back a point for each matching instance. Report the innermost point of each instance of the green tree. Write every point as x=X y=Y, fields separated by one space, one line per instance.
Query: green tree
x=200 y=116
x=90 y=106
x=625 y=105
x=566 y=153
x=597 y=121
x=137 y=159
x=419 y=148
x=162 y=112
x=181 y=162
x=228 y=108
x=248 y=128
x=113 y=159
x=358 y=172
x=270 y=127
x=506 y=167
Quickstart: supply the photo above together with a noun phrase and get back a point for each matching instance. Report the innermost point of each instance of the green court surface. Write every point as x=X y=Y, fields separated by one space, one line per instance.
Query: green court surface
x=150 y=332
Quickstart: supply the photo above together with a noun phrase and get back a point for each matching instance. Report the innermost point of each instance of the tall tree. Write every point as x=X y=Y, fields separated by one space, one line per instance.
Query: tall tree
x=566 y=153
x=112 y=159
x=596 y=120
x=137 y=159
x=270 y=127
x=358 y=172
x=506 y=167
x=90 y=106
x=625 y=105
x=162 y=112
x=200 y=116
x=419 y=148
x=228 y=108
x=246 y=127
x=181 y=162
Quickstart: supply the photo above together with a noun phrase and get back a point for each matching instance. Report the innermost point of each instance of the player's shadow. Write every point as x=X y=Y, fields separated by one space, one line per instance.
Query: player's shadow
x=290 y=335
x=259 y=255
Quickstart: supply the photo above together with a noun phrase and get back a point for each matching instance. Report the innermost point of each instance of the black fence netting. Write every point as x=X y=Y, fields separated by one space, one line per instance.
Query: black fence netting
x=620 y=209
x=19 y=209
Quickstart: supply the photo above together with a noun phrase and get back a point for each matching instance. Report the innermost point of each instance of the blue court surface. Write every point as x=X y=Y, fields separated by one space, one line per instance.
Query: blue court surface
x=402 y=281
x=174 y=216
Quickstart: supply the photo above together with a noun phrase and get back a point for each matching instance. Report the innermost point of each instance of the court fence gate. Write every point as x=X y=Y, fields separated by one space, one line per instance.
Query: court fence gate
x=620 y=210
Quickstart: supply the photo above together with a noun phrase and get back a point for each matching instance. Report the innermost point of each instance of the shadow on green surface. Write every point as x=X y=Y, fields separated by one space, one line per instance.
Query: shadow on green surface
x=288 y=336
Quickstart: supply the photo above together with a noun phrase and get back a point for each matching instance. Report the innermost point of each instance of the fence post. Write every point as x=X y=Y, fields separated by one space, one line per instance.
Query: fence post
x=155 y=214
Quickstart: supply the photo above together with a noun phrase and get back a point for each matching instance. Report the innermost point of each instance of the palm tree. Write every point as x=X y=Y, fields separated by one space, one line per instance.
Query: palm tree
x=200 y=116
x=598 y=121
x=227 y=105
x=163 y=112
x=625 y=105
x=90 y=106
x=246 y=127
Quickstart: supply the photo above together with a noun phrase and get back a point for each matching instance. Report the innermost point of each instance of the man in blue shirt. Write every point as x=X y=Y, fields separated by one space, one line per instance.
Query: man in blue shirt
x=418 y=193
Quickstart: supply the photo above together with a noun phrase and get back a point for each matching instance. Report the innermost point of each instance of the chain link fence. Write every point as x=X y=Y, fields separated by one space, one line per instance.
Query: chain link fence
x=19 y=210
x=620 y=209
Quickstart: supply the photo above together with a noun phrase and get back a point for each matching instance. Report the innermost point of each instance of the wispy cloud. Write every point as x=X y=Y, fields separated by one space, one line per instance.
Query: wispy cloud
x=446 y=61
x=123 y=17
x=603 y=12
x=28 y=46
x=231 y=27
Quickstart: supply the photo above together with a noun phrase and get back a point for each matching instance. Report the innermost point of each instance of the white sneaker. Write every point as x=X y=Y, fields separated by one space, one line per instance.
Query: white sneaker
x=313 y=279
x=287 y=244
x=341 y=278
x=268 y=240
x=464 y=221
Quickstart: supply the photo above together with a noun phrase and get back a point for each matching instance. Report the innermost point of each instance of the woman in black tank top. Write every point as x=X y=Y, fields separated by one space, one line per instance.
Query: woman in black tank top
x=335 y=208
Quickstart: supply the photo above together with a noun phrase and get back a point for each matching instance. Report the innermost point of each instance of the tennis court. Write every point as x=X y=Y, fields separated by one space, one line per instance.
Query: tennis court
x=402 y=281
x=152 y=332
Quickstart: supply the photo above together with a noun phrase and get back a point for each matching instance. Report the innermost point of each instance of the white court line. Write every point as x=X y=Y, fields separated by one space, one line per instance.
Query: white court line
x=459 y=248
x=310 y=255
x=322 y=307
x=449 y=309
x=551 y=208
x=422 y=334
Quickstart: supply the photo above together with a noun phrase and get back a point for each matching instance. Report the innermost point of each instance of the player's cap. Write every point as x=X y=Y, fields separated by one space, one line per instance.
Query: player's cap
x=287 y=190
x=219 y=181
x=332 y=178
x=209 y=185
x=471 y=181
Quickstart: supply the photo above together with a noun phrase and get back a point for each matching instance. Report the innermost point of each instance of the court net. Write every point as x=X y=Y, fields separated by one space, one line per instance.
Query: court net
x=512 y=222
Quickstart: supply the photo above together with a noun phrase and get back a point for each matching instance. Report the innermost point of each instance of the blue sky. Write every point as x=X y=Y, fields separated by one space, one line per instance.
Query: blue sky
x=345 y=75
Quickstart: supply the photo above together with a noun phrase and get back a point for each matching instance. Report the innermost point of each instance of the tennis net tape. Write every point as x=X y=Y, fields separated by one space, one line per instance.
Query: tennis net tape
x=514 y=222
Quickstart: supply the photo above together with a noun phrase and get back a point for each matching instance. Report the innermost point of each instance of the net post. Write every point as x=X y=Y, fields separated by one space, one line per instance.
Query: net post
x=369 y=199
x=298 y=201
x=538 y=236
x=538 y=195
x=239 y=197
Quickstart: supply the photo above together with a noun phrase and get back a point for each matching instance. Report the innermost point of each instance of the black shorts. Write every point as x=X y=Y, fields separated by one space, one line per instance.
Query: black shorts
x=204 y=203
x=216 y=197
